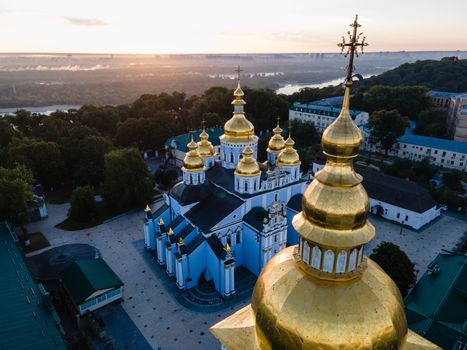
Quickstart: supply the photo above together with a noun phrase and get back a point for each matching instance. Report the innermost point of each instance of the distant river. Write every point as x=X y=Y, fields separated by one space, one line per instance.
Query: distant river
x=43 y=110
x=291 y=88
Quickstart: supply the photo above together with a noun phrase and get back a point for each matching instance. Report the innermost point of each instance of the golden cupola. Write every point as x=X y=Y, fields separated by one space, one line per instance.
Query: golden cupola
x=289 y=156
x=205 y=147
x=192 y=161
x=276 y=143
x=238 y=128
x=324 y=293
x=247 y=166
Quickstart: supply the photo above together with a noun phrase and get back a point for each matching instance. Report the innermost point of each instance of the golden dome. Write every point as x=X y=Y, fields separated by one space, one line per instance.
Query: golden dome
x=192 y=161
x=205 y=147
x=289 y=155
x=238 y=128
x=276 y=143
x=294 y=311
x=247 y=166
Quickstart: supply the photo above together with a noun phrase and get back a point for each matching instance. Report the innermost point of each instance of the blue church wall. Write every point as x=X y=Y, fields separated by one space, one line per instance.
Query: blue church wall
x=213 y=266
x=292 y=235
x=190 y=236
x=197 y=264
x=250 y=249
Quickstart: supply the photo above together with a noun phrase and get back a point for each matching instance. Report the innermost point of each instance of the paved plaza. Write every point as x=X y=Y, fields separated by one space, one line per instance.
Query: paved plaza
x=149 y=298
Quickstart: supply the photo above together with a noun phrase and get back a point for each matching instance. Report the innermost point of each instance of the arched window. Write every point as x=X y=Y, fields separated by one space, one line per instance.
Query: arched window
x=231 y=157
x=352 y=259
x=316 y=258
x=191 y=179
x=341 y=260
x=328 y=264
x=223 y=153
x=246 y=186
x=306 y=252
x=360 y=256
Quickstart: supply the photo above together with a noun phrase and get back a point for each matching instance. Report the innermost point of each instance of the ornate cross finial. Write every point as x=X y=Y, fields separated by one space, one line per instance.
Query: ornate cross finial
x=203 y=123
x=238 y=70
x=352 y=48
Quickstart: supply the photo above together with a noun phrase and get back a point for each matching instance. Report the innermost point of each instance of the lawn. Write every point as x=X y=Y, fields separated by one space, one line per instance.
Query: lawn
x=37 y=241
x=103 y=213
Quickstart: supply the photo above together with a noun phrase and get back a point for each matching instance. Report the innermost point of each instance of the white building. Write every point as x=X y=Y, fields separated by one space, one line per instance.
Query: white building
x=322 y=114
x=456 y=122
x=396 y=199
x=439 y=152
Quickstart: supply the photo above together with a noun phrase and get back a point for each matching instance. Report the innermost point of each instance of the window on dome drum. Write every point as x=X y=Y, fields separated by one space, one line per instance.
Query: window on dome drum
x=352 y=260
x=306 y=253
x=316 y=258
x=341 y=260
x=406 y=218
x=328 y=264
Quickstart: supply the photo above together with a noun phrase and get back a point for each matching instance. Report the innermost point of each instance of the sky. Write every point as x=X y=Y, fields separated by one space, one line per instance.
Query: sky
x=220 y=26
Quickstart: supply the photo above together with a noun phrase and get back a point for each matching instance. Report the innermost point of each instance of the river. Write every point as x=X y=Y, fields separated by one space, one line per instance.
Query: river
x=289 y=89
x=42 y=110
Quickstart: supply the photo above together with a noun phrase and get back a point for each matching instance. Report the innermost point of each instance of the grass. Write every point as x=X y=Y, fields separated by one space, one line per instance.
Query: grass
x=103 y=213
x=37 y=241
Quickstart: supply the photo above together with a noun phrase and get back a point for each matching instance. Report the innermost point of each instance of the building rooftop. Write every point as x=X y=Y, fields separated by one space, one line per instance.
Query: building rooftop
x=255 y=217
x=85 y=277
x=322 y=109
x=399 y=192
x=442 y=94
x=181 y=141
x=433 y=142
x=27 y=318
x=437 y=307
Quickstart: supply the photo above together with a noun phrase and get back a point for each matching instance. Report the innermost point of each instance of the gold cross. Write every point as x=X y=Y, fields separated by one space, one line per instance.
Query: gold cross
x=238 y=70
x=352 y=47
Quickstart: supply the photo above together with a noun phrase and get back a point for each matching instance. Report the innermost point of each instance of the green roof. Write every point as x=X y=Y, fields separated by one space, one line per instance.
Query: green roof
x=437 y=307
x=85 y=277
x=27 y=317
x=182 y=140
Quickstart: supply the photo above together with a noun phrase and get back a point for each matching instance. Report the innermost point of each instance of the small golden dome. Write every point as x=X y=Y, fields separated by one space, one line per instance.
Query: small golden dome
x=192 y=161
x=289 y=156
x=247 y=166
x=205 y=147
x=296 y=311
x=276 y=143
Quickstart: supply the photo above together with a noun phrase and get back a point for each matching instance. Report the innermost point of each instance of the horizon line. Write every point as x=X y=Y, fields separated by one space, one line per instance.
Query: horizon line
x=214 y=53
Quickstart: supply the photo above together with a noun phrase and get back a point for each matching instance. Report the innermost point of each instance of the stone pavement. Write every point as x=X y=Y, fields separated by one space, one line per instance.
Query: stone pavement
x=152 y=306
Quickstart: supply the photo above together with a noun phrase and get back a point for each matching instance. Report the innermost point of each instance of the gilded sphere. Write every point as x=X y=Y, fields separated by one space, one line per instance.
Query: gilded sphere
x=296 y=311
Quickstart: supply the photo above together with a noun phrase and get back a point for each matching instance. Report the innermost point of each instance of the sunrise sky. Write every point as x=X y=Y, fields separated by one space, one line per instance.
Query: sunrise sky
x=220 y=26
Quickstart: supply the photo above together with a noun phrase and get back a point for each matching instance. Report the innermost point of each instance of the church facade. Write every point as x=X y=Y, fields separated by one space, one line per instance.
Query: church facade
x=229 y=210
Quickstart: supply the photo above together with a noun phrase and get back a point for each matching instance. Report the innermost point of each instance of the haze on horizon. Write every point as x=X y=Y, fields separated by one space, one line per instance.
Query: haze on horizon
x=210 y=26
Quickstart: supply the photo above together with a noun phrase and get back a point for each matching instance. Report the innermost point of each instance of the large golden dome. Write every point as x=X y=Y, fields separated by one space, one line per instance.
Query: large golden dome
x=192 y=161
x=247 y=166
x=289 y=156
x=294 y=311
x=205 y=147
x=276 y=143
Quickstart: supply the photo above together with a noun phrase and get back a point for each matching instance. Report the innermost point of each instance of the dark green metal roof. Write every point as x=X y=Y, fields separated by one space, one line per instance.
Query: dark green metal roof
x=437 y=307
x=85 y=277
x=182 y=140
x=27 y=317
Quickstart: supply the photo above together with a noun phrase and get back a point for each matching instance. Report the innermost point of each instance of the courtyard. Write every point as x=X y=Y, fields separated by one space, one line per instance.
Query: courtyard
x=150 y=298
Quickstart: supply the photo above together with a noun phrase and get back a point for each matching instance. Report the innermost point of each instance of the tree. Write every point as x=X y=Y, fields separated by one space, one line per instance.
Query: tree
x=432 y=122
x=453 y=180
x=304 y=134
x=6 y=133
x=387 y=126
x=42 y=157
x=127 y=184
x=84 y=158
x=264 y=106
x=82 y=204
x=102 y=118
x=14 y=194
x=396 y=264
x=164 y=177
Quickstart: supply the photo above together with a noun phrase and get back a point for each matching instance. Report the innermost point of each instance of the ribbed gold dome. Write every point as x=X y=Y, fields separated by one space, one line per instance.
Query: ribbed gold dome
x=289 y=156
x=238 y=128
x=192 y=161
x=276 y=143
x=247 y=166
x=294 y=311
x=205 y=147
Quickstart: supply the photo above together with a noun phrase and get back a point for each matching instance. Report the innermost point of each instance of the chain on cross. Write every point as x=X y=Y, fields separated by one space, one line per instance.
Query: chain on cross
x=352 y=47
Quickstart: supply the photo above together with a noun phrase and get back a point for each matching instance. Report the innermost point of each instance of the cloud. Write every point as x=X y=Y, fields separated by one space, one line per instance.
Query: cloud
x=89 y=22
